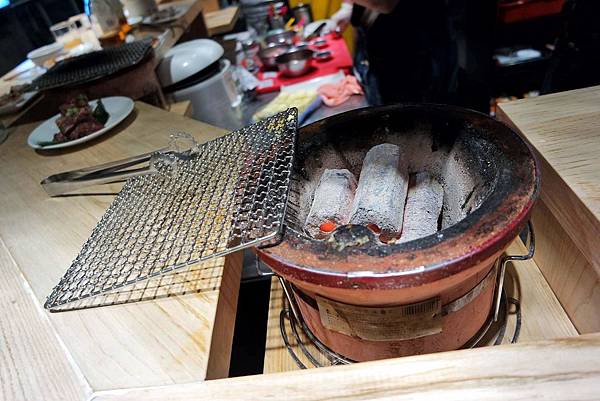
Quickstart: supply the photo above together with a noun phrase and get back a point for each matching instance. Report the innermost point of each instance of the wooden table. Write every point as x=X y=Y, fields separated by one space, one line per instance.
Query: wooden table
x=189 y=26
x=564 y=129
x=221 y=21
x=112 y=352
x=72 y=355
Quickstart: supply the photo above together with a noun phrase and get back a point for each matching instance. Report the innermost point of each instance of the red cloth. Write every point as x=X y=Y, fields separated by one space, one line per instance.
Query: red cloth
x=339 y=92
x=340 y=60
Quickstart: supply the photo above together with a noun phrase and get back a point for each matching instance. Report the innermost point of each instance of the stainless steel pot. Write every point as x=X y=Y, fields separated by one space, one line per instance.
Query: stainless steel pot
x=269 y=54
x=279 y=37
x=295 y=62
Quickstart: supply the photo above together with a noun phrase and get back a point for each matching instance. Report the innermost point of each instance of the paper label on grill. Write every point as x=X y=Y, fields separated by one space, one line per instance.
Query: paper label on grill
x=402 y=322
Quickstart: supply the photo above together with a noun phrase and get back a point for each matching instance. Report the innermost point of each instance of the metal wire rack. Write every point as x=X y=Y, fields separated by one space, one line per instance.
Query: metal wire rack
x=223 y=196
x=91 y=66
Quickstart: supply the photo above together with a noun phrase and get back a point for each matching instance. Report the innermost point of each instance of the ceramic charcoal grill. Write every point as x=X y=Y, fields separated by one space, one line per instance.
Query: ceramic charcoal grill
x=361 y=299
x=365 y=300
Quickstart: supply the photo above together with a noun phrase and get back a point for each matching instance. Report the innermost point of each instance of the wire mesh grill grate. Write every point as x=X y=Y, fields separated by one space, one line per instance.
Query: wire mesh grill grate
x=228 y=194
x=90 y=66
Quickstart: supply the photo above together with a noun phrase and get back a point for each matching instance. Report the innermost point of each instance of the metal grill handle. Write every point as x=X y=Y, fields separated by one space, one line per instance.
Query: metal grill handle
x=509 y=258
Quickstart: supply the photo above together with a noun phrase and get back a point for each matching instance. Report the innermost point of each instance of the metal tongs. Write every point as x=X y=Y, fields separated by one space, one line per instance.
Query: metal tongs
x=120 y=170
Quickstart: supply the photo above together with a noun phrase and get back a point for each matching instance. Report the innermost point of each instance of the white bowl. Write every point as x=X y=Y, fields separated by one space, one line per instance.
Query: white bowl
x=186 y=59
x=46 y=53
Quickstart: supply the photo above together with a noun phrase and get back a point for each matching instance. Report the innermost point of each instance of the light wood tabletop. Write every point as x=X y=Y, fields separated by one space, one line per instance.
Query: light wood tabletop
x=71 y=355
x=162 y=350
x=564 y=131
x=551 y=370
x=221 y=21
x=564 y=128
x=170 y=33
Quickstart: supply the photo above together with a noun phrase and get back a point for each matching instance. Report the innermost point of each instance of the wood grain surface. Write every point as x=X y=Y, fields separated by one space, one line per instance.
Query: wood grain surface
x=160 y=342
x=564 y=129
x=183 y=108
x=570 y=274
x=161 y=349
x=563 y=369
x=175 y=30
x=221 y=21
x=30 y=344
x=542 y=315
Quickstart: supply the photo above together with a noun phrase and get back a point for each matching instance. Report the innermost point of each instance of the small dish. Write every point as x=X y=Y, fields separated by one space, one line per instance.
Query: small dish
x=117 y=107
x=280 y=37
x=42 y=55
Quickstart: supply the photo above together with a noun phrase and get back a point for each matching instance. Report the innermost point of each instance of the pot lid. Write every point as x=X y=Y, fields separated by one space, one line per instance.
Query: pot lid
x=187 y=59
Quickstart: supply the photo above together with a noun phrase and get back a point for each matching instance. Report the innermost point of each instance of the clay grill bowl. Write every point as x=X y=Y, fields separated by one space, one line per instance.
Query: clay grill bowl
x=446 y=264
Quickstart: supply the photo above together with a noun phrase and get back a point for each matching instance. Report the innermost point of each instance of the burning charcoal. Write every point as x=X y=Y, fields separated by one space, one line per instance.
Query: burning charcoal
x=381 y=193
x=331 y=203
x=423 y=207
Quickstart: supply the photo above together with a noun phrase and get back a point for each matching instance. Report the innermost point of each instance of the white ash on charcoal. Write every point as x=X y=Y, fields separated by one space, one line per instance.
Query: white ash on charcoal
x=331 y=203
x=464 y=189
x=326 y=157
x=422 y=154
x=447 y=159
x=381 y=192
x=423 y=207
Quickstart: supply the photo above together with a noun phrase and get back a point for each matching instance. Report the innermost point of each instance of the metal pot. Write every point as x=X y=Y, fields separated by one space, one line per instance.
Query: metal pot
x=279 y=37
x=497 y=185
x=269 y=54
x=295 y=62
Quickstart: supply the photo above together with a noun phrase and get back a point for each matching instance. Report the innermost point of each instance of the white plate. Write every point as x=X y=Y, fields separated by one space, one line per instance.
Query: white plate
x=117 y=107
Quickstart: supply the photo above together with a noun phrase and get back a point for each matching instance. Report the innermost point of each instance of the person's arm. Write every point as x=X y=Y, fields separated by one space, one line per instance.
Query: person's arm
x=343 y=15
x=381 y=6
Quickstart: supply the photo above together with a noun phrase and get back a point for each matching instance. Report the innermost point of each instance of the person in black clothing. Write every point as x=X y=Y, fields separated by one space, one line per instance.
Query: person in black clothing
x=404 y=51
x=576 y=58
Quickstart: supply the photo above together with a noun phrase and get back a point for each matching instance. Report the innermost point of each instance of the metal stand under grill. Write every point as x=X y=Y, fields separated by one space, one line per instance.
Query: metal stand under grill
x=228 y=194
x=321 y=355
x=318 y=354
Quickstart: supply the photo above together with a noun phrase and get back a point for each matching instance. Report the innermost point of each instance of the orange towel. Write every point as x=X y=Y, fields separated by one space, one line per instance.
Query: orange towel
x=338 y=93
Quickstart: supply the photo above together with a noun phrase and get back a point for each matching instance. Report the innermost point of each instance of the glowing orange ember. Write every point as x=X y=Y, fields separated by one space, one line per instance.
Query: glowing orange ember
x=374 y=228
x=328 y=226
